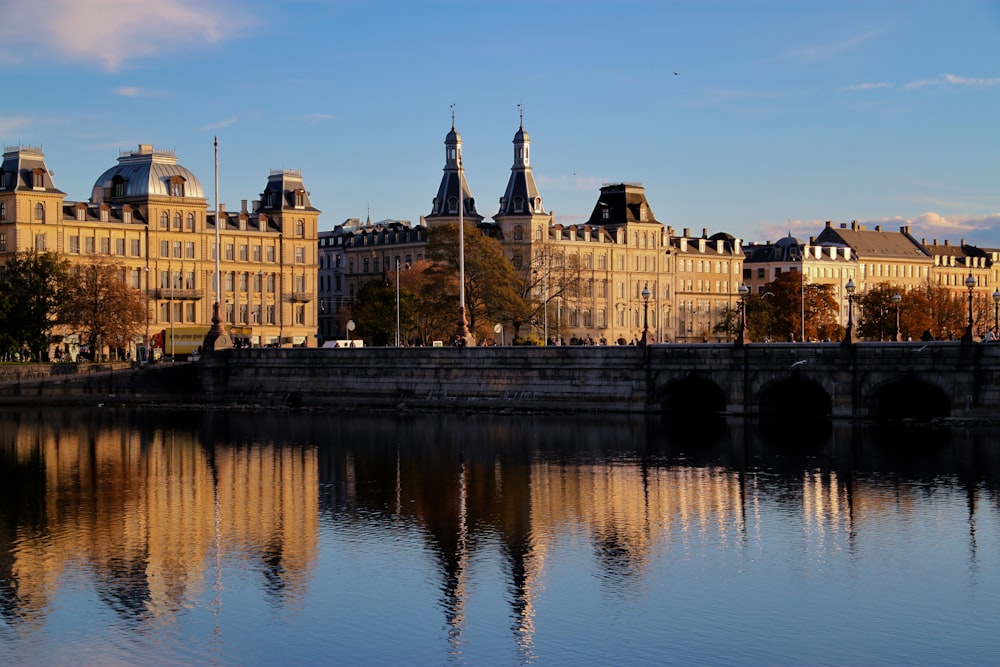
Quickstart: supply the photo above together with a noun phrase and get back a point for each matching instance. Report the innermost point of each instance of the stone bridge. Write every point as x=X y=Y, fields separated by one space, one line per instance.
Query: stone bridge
x=867 y=380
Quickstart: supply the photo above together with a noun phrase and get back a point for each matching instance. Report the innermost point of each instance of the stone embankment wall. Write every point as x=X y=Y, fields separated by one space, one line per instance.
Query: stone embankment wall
x=576 y=379
x=97 y=382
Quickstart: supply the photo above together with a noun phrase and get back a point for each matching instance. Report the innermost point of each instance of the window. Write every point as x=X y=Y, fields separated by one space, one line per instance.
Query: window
x=89 y=245
x=177 y=221
x=244 y=282
x=300 y=255
x=189 y=224
x=230 y=281
x=256 y=253
x=177 y=187
x=230 y=312
x=135 y=279
x=177 y=249
x=40 y=212
x=105 y=246
x=120 y=247
x=3 y=211
x=38 y=178
x=189 y=249
x=136 y=248
x=164 y=220
x=189 y=280
x=300 y=198
x=244 y=252
x=300 y=228
x=518 y=204
x=118 y=186
x=270 y=284
x=40 y=242
x=127 y=216
x=452 y=205
x=74 y=244
x=270 y=253
x=230 y=251
x=518 y=232
x=300 y=314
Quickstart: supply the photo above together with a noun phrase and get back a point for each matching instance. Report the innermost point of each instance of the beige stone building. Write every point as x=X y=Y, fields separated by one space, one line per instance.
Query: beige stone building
x=150 y=215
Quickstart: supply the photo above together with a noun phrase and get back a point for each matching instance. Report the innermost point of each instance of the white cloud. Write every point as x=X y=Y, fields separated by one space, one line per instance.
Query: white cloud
x=954 y=80
x=222 y=123
x=10 y=123
x=135 y=91
x=868 y=86
x=114 y=32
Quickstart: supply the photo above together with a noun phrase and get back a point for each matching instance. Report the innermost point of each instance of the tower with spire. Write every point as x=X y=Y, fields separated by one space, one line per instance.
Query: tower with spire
x=453 y=188
x=521 y=218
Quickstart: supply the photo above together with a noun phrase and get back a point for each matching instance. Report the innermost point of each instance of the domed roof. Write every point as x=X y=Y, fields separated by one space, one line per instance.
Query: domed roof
x=147 y=173
x=788 y=242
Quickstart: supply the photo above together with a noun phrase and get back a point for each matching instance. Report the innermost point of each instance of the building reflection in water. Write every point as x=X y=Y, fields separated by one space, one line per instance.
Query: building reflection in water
x=153 y=509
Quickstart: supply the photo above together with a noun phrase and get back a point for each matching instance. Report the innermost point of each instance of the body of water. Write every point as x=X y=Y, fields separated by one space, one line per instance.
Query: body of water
x=141 y=537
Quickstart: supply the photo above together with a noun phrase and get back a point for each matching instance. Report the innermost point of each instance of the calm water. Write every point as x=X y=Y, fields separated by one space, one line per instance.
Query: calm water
x=235 y=538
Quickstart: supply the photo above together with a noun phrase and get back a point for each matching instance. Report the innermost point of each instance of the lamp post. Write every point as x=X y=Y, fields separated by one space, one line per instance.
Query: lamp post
x=397 y=302
x=896 y=299
x=645 y=313
x=744 y=336
x=849 y=332
x=970 y=282
x=996 y=311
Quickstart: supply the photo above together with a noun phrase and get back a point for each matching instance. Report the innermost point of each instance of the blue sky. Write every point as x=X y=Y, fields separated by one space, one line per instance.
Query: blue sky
x=782 y=114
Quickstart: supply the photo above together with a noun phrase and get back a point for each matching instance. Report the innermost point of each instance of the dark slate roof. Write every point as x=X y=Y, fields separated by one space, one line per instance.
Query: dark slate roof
x=624 y=203
x=146 y=172
x=19 y=166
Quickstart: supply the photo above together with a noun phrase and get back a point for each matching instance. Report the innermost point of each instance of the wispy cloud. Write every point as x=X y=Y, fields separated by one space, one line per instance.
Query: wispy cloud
x=868 y=86
x=10 y=123
x=313 y=117
x=135 y=91
x=115 y=32
x=222 y=123
x=828 y=51
x=955 y=80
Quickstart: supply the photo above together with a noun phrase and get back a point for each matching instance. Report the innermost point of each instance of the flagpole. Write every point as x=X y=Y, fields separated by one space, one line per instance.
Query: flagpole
x=216 y=338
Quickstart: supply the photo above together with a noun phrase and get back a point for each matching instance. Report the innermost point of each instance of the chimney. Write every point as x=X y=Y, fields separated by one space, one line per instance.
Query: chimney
x=946 y=242
x=878 y=228
x=243 y=206
x=687 y=232
x=704 y=232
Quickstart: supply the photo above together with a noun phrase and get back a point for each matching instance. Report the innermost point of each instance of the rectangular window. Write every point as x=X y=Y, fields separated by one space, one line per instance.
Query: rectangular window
x=244 y=313
x=135 y=278
x=120 y=247
x=244 y=253
x=40 y=242
x=256 y=253
x=229 y=282
x=270 y=253
x=164 y=248
x=300 y=284
x=164 y=280
x=178 y=249
x=105 y=246
x=189 y=249
x=300 y=255
x=190 y=312
x=136 y=249
x=74 y=244
x=189 y=280
x=300 y=314
x=230 y=251
x=244 y=282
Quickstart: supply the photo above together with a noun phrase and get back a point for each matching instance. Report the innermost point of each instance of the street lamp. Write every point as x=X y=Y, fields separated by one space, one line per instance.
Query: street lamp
x=849 y=332
x=996 y=311
x=970 y=282
x=645 y=313
x=744 y=335
x=896 y=299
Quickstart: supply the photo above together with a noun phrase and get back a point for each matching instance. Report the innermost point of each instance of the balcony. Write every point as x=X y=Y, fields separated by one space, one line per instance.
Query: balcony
x=177 y=294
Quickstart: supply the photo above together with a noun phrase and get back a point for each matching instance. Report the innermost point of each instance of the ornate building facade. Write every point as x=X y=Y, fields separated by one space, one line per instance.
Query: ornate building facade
x=150 y=215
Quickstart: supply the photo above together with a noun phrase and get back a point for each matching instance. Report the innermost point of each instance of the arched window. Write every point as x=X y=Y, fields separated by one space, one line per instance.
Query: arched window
x=177 y=220
x=300 y=228
x=452 y=204
x=518 y=232
x=518 y=204
x=40 y=212
x=164 y=220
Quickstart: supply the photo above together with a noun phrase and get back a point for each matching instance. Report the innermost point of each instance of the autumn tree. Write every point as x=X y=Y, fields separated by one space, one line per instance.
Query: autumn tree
x=759 y=318
x=375 y=312
x=30 y=292
x=102 y=307
x=493 y=290
x=876 y=312
x=791 y=298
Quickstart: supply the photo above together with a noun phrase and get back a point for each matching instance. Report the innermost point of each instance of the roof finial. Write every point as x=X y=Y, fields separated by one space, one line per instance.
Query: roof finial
x=520 y=110
x=453 y=115
x=368 y=222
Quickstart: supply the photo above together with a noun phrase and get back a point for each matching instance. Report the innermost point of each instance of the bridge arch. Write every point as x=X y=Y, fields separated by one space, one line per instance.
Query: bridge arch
x=908 y=398
x=794 y=397
x=692 y=395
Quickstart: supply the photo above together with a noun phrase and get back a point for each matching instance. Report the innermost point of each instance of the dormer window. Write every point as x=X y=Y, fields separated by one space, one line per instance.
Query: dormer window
x=127 y=215
x=452 y=204
x=81 y=212
x=176 y=186
x=300 y=198
x=104 y=212
x=643 y=213
x=38 y=178
x=118 y=187
x=605 y=214
x=3 y=179
x=268 y=198
x=518 y=204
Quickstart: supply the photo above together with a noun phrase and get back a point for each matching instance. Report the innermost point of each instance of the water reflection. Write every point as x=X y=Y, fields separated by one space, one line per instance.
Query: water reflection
x=156 y=506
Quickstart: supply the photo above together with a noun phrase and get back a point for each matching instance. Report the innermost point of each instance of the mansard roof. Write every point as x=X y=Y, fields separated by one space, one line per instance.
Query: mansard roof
x=621 y=204
x=23 y=168
x=143 y=173
x=285 y=191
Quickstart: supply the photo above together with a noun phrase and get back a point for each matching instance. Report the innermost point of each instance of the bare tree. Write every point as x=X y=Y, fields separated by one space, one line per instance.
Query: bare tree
x=102 y=307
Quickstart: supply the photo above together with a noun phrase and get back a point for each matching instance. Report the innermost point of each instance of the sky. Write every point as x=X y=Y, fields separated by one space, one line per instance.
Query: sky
x=752 y=117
